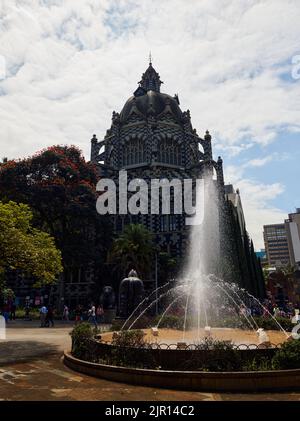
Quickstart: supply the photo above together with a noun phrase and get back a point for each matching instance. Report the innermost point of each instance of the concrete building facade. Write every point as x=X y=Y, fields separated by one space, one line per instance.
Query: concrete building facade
x=282 y=242
x=292 y=226
x=276 y=245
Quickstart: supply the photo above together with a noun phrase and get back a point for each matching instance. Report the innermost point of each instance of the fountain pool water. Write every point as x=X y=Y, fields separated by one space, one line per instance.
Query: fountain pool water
x=203 y=304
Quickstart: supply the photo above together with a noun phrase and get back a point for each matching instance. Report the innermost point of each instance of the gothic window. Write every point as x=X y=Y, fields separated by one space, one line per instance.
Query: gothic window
x=168 y=223
x=164 y=226
x=173 y=222
x=169 y=152
x=134 y=152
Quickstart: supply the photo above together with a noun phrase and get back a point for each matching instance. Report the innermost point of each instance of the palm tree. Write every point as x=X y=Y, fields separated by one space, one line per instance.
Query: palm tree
x=133 y=250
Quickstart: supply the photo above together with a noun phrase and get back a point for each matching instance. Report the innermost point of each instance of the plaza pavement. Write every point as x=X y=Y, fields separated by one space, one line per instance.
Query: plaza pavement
x=31 y=368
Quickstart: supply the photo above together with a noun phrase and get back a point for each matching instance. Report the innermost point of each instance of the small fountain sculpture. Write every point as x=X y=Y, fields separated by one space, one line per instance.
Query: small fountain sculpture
x=131 y=294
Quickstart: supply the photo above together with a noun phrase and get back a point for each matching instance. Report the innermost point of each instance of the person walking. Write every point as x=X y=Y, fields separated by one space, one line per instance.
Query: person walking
x=276 y=311
x=43 y=314
x=13 y=311
x=49 y=317
x=99 y=314
x=66 y=313
x=92 y=315
x=27 y=313
x=78 y=314
x=5 y=312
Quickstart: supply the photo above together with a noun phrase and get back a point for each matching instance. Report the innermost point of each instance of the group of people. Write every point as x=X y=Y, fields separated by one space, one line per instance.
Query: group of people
x=9 y=311
x=266 y=309
x=46 y=316
x=94 y=315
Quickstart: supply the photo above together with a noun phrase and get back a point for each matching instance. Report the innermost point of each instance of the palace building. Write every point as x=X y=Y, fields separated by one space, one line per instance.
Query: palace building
x=152 y=138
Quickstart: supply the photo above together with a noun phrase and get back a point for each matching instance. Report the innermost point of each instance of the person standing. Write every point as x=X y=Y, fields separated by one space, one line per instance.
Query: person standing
x=78 y=314
x=99 y=314
x=66 y=313
x=13 y=311
x=276 y=311
x=5 y=312
x=43 y=314
x=27 y=312
x=49 y=317
x=92 y=315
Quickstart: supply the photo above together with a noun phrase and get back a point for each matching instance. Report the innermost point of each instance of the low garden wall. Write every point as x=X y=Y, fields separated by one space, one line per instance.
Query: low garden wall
x=168 y=358
x=275 y=380
x=210 y=365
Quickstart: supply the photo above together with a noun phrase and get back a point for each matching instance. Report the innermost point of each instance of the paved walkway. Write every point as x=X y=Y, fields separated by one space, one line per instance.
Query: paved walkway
x=31 y=368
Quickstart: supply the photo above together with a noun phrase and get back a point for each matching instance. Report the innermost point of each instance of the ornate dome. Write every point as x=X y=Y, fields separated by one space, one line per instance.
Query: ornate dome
x=151 y=103
x=148 y=100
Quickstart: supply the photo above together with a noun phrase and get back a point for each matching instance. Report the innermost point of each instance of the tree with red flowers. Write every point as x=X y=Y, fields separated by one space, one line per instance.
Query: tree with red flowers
x=59 y=186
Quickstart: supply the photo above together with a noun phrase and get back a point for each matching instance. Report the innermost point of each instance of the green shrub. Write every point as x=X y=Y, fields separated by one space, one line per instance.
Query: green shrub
x=82 y=336
x=231 y=322
x=124 y=351
x=268 y=323
x=116 y=325
x=132 y=338
x=288 y=356
x=169 y=322
x=34 y=313
x=220 y=356
x=257 y=364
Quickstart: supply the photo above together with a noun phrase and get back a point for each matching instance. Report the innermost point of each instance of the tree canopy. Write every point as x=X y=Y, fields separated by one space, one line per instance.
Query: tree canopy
x=59 y=185
x=25 y=248
x=133 y=249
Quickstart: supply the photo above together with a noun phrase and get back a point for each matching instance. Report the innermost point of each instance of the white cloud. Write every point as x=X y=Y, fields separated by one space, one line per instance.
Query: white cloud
x=259 y=162
x=69 y=64
x=256 y=200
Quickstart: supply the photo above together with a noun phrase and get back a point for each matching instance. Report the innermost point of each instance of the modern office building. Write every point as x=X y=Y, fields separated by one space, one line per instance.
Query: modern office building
x=276 y=245
x=292 y=226
x=282 y=242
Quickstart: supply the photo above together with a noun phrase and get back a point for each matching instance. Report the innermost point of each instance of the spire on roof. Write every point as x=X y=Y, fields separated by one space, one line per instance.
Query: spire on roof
x=150 y=79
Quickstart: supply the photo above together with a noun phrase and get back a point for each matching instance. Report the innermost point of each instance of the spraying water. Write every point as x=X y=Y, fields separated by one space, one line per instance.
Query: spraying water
x=205 y=298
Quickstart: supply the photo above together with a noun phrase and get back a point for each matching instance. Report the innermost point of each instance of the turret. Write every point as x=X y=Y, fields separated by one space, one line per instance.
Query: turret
x=207 y=146
x=94 y=148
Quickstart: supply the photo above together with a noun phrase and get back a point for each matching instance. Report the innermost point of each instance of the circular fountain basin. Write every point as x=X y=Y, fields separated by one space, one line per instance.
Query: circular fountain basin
x=253 y=381
x=236 y=336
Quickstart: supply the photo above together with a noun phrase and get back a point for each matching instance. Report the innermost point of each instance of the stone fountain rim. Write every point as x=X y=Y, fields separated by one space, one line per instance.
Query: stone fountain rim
x=253 y=381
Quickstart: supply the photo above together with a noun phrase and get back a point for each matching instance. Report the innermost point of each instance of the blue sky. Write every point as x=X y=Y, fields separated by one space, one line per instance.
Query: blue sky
x=65 y=65
x=283 y=168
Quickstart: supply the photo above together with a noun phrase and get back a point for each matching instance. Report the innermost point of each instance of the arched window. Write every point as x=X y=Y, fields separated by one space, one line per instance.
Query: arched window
x=134 y=152
x=169 y=152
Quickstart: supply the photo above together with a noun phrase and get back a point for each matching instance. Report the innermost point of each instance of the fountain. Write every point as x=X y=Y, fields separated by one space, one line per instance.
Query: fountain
x=209 y=306
x=213 y=327
x=131 y=294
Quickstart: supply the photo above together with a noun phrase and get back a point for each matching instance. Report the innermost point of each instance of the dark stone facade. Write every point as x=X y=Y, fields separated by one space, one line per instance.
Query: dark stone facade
x=153 y=138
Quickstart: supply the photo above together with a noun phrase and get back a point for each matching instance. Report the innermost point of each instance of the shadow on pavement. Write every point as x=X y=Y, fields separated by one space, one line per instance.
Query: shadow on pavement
x=15 y=351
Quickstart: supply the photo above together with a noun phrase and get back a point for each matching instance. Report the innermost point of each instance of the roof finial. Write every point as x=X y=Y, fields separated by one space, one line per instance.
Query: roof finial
x=150 y=59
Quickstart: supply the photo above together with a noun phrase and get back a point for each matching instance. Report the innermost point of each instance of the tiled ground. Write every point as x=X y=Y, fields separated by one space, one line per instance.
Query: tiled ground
x=31 y=369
